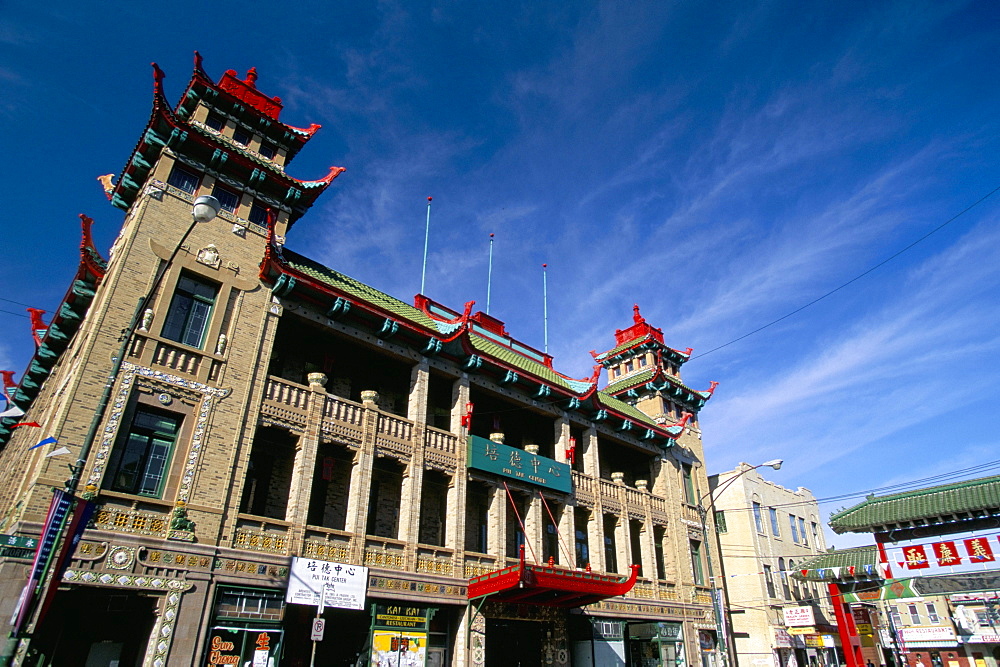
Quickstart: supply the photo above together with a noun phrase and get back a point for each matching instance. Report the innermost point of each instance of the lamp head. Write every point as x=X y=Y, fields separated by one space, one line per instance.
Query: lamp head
x=775 y=463
x=205 y=208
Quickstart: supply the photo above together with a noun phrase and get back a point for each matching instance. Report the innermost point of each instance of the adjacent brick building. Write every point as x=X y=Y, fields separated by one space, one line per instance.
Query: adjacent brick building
x=268 y=408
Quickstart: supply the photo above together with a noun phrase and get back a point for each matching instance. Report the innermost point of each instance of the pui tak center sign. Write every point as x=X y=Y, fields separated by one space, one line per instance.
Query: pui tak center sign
x=518 y=464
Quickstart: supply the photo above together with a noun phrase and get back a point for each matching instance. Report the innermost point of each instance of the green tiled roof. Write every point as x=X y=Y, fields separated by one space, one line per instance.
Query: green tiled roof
x=506 y=355
x=645 y=375
x=977 y=495
x=856 y=557
x=358 y=289
x=624 y=346
x=613 y=403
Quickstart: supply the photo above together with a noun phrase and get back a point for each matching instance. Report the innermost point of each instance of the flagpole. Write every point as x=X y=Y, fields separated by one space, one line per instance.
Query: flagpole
x=545 y=305
x=427 y=235
x=489 y=276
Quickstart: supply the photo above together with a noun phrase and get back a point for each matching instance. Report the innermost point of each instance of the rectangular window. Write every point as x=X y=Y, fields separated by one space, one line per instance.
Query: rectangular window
x=642 y=361
x=795 y=531
x=268 y=150
x=769 y=581
x=720 y=522
x=258 y=214
x=182 y=179
x=190 y=309
x=215 y=121
x=229 y=199
x=932 y=616
x=690 y=497
x=241 y=137
x=815 y=534
x=659 y=533
x=628 y=367
x=802 y=532
x=914 y=614
x=895 y=617
x=757 y=518
x=696 y=566
x=140 y=458
x=774 y=521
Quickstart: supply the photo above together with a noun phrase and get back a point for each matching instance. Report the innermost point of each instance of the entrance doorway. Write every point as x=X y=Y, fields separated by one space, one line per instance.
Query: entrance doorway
x=512 y=643
x=96 y=627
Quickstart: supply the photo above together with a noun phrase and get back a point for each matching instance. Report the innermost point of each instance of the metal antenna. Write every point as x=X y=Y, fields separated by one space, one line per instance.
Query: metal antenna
x=489 y=277
x=427 y=235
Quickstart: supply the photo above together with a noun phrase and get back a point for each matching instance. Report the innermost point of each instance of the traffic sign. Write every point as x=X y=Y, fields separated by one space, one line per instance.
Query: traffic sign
x=318 y=627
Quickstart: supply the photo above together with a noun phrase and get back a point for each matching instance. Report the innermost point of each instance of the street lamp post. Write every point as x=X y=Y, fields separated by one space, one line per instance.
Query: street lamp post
x=718 y=608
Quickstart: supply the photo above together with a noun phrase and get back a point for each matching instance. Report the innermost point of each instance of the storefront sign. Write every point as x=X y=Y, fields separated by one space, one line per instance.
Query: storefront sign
x=807 y=630
x=928 y=634
x=518 y=464
x=400 y=616
x=782 y=639
x=246 y=647
x=799 y=616
x=345 y=584
x=393 y=647
x=864 y=628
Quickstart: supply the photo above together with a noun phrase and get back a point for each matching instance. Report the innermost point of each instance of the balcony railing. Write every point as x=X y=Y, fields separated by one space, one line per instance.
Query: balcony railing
x=255 y=533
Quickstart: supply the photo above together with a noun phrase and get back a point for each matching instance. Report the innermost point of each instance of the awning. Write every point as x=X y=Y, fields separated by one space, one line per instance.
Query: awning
x=549 y=585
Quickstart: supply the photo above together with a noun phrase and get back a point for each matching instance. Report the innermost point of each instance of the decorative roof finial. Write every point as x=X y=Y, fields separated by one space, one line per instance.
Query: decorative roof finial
x=251 y=79
x=636 y=317
x=157 y=79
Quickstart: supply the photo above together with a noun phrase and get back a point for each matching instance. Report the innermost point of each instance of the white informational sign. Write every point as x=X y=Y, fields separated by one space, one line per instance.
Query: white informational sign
x=937 y=634
x=345 y=584
x=798 y=616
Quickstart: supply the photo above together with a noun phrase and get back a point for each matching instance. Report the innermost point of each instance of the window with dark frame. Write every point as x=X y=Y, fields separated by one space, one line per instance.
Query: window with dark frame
x=182 y=179
x=229 y=199
x=795 y=530
x=696 y=566
x=774 y=521
x=690 y=497
x=802 y=532
x=215 y=121
x=189 y=312
x=258 y=214
x=241 y=137
x=757 y=518
x=139 y=460
x=769 y=581
x=267 y=150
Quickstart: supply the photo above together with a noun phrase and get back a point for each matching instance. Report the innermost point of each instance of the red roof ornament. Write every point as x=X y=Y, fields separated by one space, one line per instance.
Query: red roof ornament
x=245 y=90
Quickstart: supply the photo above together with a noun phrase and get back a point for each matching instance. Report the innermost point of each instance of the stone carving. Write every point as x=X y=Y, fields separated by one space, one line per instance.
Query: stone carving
x=209 y=256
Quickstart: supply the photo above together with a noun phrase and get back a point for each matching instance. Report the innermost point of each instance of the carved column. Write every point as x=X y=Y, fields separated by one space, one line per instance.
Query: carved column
x=361 y=477
x=623 y=543
x=534 y=526
x=304 y=466
x=562 y=439
x=411 y=494
x=595 y=540
x=591 y=458
x=416 y=406
x=567 y=536
x=647 y=545
x=496 y=530
x=457 y=501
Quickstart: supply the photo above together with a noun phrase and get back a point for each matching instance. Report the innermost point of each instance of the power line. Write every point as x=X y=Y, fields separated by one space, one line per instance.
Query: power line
x=857 y=277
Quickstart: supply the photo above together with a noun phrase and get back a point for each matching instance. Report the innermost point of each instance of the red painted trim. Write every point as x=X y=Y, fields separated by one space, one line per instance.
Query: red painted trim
x=849 y=640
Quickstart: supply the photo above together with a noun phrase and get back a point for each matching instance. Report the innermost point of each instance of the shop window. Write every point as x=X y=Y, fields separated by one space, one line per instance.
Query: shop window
x=140 y=458
x=190 y=310
x=229 y=199
x=774 y=521
x=182 y=179
x=757 y=518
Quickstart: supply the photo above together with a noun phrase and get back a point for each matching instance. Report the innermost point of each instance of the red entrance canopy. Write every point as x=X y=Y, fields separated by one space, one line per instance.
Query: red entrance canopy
x=548 y=585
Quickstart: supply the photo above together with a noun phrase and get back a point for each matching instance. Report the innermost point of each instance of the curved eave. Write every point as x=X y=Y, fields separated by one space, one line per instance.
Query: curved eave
x=60 y=331
x=660 y=381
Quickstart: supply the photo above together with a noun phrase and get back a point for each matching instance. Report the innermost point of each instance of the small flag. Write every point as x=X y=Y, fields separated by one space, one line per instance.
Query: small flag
x=12 y=411
x=58 y=452
x=47 y=441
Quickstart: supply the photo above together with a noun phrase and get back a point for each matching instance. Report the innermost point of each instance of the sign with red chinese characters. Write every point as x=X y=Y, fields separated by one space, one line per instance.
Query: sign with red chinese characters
x=970 y=551
x=798 y=616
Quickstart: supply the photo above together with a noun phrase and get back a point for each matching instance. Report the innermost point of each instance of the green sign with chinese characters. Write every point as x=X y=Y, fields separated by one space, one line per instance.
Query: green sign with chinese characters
x=518 y=464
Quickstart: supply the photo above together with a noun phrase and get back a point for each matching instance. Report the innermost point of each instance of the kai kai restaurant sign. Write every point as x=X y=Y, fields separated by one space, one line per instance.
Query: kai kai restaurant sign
x=518 y=464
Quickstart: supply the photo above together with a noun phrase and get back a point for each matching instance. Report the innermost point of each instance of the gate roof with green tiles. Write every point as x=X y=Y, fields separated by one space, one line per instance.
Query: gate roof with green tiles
x=936 y=505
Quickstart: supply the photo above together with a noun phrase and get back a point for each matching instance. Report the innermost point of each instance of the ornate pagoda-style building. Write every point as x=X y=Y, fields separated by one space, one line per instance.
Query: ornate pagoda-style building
x=259 y=415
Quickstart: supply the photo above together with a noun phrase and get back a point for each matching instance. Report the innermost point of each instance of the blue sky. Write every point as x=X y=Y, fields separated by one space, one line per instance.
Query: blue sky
x=721 y=164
